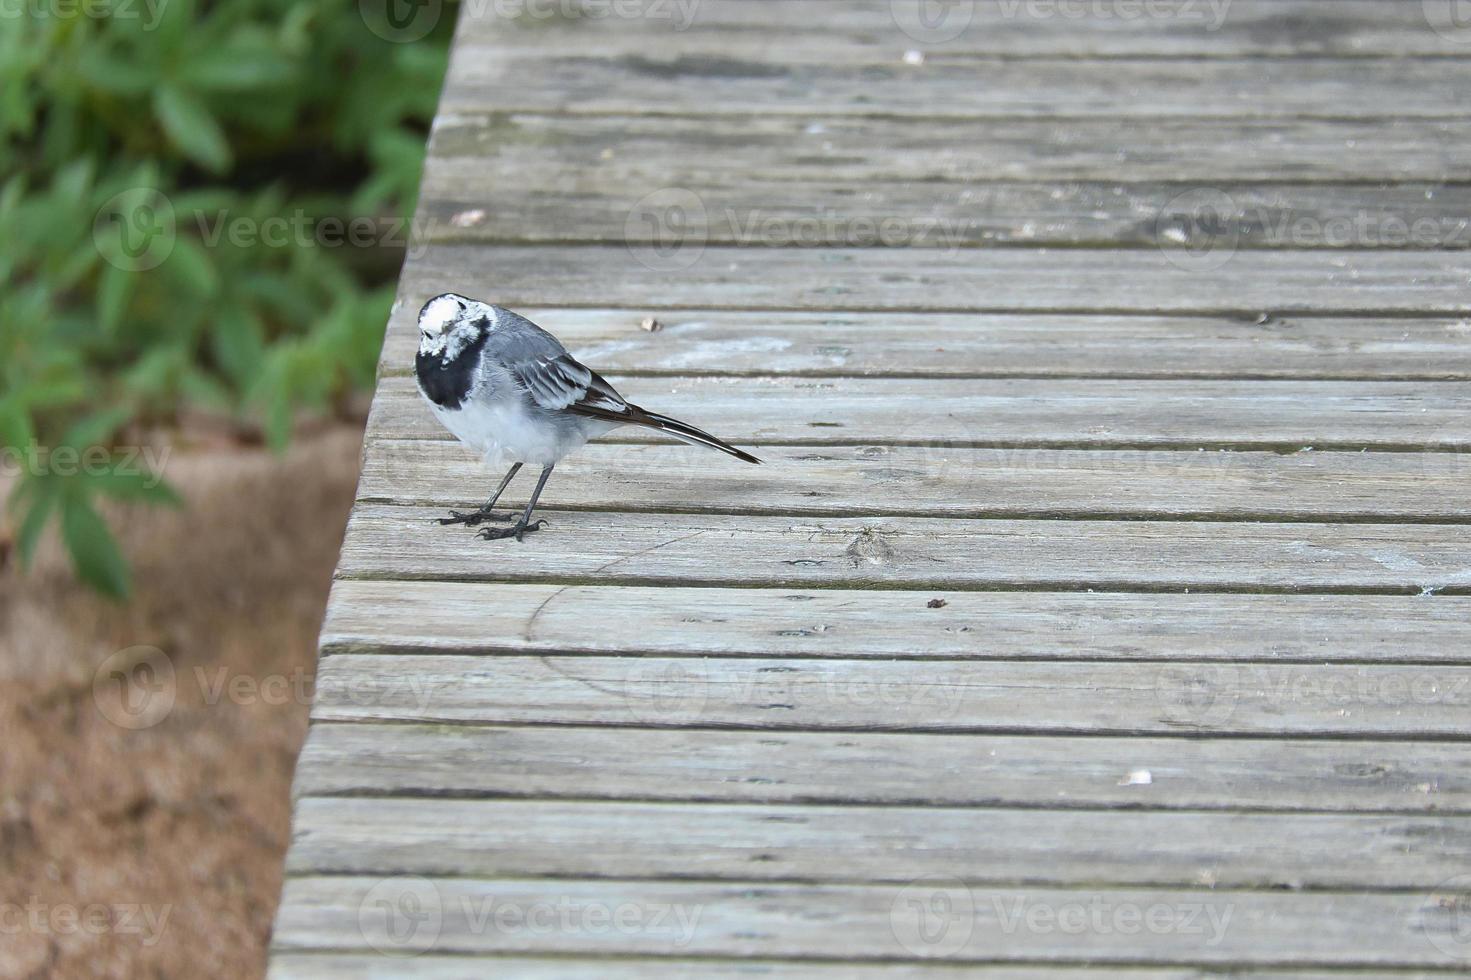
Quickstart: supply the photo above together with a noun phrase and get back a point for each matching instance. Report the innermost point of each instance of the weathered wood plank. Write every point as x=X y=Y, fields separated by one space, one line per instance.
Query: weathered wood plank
x=396 y=542
x=941 y=280
x=945 y=480
x=1071 y=413
x=865 y=922
x=349 y=966
x=743 y=210
x=980 y=345
x=501 y=151
x=807 y=79
x=479 y=618
x=740 y=680
x=730 y=31
x=880 y=767
x=606 y=839
x=915 y=696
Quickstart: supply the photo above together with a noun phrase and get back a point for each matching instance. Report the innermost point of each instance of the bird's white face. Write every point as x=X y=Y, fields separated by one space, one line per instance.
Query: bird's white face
x=448 y=323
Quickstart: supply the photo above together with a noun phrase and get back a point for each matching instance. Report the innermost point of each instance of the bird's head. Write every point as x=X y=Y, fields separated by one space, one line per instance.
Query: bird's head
x=449 y=323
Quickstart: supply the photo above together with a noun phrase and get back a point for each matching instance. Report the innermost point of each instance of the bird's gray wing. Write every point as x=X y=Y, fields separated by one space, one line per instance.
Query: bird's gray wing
x=554 y=379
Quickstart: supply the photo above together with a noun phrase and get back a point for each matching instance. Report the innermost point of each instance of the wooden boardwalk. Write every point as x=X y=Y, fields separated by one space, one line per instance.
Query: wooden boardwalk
x=1103 y=605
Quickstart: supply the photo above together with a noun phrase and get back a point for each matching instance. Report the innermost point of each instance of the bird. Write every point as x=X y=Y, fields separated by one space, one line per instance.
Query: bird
x=510 y=391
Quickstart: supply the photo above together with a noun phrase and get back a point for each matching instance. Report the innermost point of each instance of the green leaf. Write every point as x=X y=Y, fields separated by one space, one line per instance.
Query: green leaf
x=15 y=424
x=71 y=184
x=238 y=343
x=205 y=390
x=95 y=429
x=239 y=66
x=191 y=128
x=113 y=293
x=93 y=549
x=42 y=499
x=142 y=487
x=191 y=268
x=118 y=76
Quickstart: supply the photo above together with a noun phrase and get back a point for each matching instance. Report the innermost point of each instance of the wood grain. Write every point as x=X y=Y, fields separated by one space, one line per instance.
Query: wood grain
x=940 y=280
x=387 y=541
x=960 y=215
x=606 y=839
x=1061 y=772
x=860 y=922
x=837 y=30
x=359 y=966
x=1002 y=697
x=615 y=619
x=1064 y=413
x=943 y=480
x=816 y=79
x=396 y=542
x=1101 y=607
x=643 y=153
x=824 y=344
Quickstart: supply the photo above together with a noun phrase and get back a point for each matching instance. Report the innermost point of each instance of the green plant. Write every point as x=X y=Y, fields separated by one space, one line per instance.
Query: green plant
x=147 y=159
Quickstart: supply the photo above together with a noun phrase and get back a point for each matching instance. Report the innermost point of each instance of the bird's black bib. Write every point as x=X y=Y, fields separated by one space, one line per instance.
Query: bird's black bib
x=447 y=384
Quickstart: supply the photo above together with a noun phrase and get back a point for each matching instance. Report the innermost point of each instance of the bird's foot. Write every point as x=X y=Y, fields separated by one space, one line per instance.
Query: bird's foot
x=473 y=518
x=514 y=531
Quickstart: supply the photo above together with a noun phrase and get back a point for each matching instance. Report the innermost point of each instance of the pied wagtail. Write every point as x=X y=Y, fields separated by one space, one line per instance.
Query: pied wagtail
x=509 y=390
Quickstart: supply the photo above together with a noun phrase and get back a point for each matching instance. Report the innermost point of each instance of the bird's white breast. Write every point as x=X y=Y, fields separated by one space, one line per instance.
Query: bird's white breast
x=504 y=433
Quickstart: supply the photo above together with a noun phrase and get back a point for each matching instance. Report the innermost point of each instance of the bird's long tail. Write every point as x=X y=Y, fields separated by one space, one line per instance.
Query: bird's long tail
x=692 y=435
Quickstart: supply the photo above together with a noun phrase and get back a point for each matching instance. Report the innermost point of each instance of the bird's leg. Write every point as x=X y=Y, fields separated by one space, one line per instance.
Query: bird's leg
x=525 y=524
x=476 y=517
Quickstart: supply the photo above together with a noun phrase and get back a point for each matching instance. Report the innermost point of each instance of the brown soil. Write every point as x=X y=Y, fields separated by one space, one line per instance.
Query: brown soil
x=156 y=851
